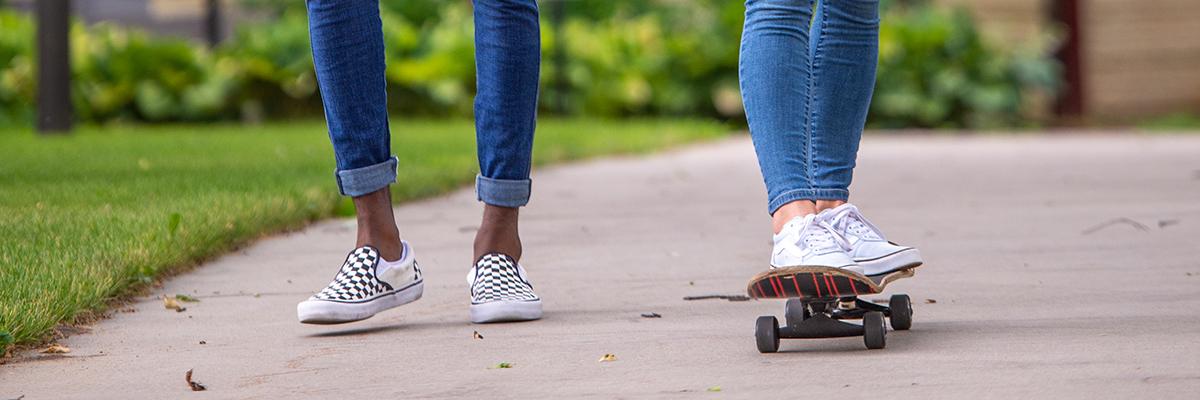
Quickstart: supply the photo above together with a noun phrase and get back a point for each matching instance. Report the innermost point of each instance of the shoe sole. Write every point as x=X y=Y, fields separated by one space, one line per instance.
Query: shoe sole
x=322 y=312
x=506 y=311
x=898 y=261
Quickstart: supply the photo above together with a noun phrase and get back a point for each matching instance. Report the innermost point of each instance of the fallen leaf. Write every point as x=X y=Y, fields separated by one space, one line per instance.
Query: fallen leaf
x=187 y=299
x=57 y=349
x=651 y=315
x=196 y=386
x=714 y=389
x=257 y=295
x=608 y=357
x=503 y=365
x=476 y=335
x=171 y=304
x=203 y=342
x=930 y=301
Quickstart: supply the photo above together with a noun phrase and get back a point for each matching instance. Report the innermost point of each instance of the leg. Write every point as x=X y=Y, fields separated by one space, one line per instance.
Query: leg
x=347 y=44
x=844 y=48
x=381 y=273
x=844 y=52
x=775 y=75
x=508 y=57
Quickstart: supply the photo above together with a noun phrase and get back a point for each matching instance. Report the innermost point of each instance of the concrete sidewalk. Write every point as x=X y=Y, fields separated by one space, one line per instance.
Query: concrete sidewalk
x=1034 y=287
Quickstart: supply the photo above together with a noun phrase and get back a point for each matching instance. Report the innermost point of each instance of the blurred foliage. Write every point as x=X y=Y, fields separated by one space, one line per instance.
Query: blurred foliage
x=1175 y=122
x=660 y=57
x=937 y=71
x=16 y=69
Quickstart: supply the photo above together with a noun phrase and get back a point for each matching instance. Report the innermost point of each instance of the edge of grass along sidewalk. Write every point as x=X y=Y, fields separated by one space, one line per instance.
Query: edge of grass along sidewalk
x=88 y=218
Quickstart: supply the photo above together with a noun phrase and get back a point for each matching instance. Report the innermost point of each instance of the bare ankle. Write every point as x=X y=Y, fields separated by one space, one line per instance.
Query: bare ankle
x=823 y=205
x=498 y=232
x=377 y=224
x=787 y=212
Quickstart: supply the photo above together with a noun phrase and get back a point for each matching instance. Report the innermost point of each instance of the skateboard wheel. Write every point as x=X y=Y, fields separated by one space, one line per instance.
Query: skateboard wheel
x=901 y=307
x=766 y=334
x=795 y=312
x=874 y=332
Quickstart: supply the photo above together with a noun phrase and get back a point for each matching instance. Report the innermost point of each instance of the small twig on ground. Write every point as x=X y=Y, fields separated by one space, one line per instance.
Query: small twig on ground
x=651 y=315
x=730 y=297
x=1123 y=220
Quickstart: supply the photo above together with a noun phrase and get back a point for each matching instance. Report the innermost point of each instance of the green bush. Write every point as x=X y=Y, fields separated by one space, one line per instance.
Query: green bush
x=16 y=69
x=937 y=71
x=121 y=74
x=618 y=59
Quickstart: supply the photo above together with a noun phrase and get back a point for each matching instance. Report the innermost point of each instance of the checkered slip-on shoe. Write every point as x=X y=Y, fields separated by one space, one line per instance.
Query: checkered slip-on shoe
x=366 y=285
x=500 y=291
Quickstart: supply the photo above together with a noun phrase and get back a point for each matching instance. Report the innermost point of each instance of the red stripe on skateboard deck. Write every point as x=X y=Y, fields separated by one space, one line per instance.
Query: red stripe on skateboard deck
x=761 y=292
x=799 y=292
x=836 y=291
x=777 y=286
x=815 y=284
x=854 y=287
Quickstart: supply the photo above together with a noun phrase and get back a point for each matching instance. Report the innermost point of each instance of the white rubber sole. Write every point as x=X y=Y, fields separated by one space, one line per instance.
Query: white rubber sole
x=331 y=312
x=506 y=311
x=900 y=260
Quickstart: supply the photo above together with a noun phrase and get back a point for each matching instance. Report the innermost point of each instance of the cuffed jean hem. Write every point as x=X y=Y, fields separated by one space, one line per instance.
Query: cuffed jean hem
x=503 y=192
x=359 y=181
x=806 y=194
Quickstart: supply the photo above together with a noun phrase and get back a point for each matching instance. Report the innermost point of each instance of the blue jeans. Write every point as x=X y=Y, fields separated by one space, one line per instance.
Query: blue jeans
x=347 y=44
x=807 y=76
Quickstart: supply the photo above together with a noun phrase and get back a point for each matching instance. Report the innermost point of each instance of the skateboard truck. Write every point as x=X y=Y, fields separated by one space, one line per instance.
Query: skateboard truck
x=815 y=318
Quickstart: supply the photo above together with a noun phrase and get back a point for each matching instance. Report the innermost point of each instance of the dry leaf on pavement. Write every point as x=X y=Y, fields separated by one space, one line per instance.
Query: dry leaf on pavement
x=476 y=335
x=608 y=357
x=57 y=349
x=196 y=386
x=171 y=304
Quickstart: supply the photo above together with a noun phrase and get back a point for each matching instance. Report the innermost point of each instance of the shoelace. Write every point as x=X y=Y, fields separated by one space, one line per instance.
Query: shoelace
x=850 y=220
x=821 y=233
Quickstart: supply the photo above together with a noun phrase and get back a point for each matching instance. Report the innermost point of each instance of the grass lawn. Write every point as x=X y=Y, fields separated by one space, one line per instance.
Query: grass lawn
x=85 y=218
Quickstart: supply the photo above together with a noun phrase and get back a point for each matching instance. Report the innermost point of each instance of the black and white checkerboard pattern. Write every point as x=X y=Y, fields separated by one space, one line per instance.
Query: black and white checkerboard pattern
x=497 y=279
x=356 y=280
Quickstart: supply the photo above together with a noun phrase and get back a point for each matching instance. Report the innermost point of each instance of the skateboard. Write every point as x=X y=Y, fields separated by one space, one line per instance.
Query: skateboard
x=818 y=298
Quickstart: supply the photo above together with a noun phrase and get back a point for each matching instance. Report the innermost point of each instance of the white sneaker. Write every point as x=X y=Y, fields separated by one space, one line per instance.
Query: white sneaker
x=810 y=241
x=868 y=247
x=365 y=285
x=500 y=291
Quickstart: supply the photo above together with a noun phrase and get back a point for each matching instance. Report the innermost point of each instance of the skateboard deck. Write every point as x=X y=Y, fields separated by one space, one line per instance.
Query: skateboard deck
x=813 y=282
